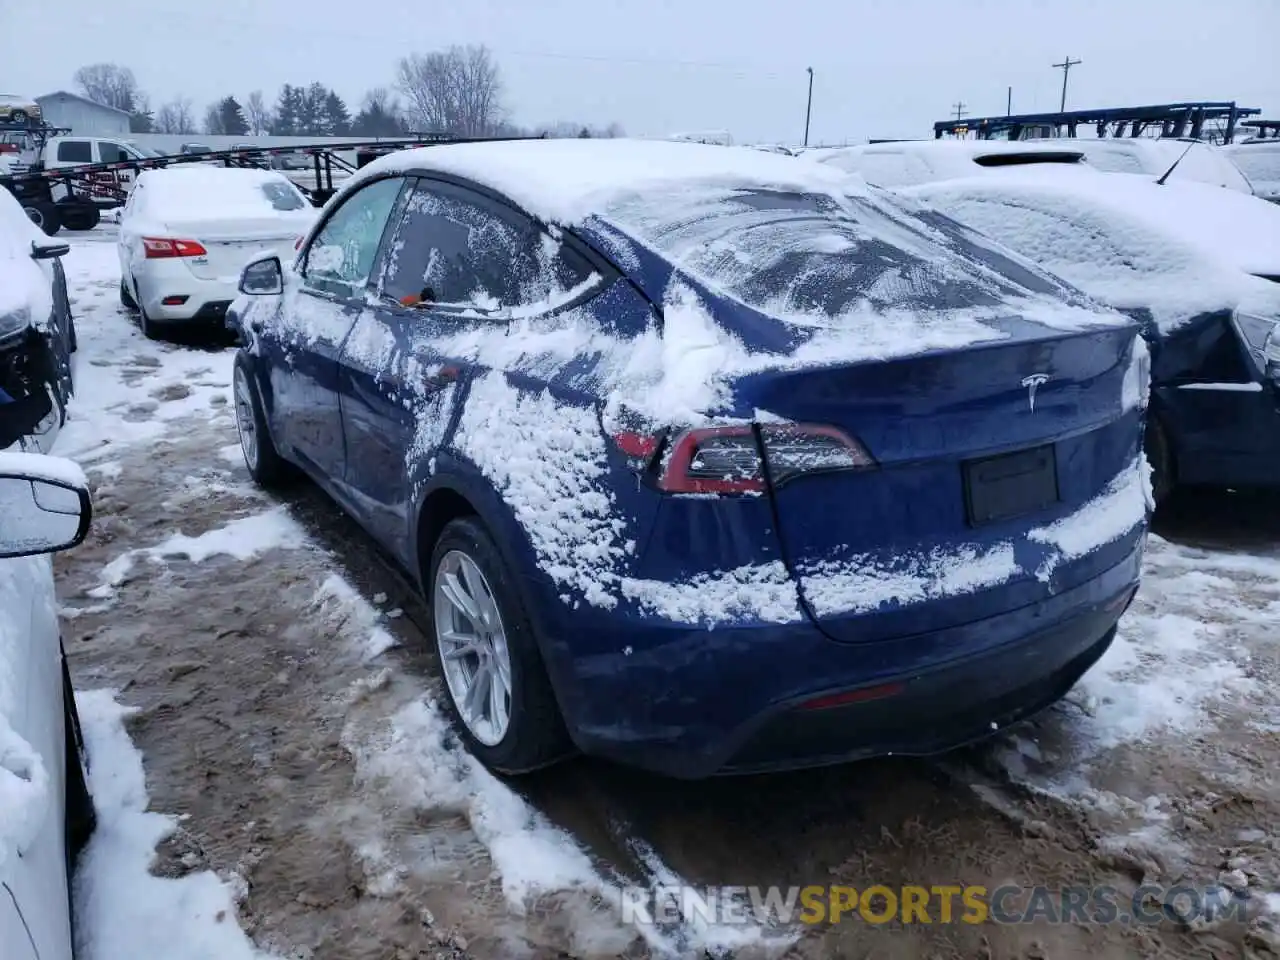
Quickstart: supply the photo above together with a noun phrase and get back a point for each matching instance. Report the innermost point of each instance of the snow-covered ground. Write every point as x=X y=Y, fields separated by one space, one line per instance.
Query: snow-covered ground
x=299 y=793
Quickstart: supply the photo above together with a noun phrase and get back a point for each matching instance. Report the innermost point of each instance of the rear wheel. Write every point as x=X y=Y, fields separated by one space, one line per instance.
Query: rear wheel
x=80 y=216
x=265 y=465
x=126 y=297
x=18 y=116
x=497 y=685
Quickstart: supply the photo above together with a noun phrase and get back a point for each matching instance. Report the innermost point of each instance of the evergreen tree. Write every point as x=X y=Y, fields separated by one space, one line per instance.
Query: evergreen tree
x=231 y=118
x=337 y=118
x=288 y=108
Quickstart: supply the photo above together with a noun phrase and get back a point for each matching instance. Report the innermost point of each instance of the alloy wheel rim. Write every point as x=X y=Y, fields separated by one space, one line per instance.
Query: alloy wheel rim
x=244 y=420
x=472 y=643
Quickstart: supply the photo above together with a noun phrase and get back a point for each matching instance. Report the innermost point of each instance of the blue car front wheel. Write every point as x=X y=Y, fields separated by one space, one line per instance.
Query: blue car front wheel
x=494 y=677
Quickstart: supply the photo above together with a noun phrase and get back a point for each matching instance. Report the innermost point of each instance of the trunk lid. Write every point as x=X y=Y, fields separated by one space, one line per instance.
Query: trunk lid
x=231 y=244
x=976 y=450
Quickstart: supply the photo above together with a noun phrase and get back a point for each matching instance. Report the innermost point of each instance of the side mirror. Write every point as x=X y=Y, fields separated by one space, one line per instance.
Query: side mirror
x=44 y=504
x=48 y=251
x=262 y=277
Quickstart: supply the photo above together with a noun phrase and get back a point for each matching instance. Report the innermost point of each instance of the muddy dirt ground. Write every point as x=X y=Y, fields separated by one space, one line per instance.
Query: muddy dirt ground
x=266 y=717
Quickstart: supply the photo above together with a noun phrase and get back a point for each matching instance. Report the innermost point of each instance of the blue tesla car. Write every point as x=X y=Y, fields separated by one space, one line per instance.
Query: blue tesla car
x=705 y=460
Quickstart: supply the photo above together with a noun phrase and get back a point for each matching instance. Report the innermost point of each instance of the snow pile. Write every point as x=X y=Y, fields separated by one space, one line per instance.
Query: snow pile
x=345 y=609
x=243 y=539
x=124 y=911
x=420 y=761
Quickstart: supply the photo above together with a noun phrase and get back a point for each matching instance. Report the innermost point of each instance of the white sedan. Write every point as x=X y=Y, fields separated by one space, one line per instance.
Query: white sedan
x=186 y=232
x=46 y=812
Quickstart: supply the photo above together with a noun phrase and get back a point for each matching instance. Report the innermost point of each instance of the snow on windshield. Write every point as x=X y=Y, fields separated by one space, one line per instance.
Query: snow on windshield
x=1260 y=163
x=819 y=260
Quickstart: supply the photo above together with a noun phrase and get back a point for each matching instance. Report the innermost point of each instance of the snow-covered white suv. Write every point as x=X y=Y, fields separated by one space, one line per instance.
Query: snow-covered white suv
x=46 y=813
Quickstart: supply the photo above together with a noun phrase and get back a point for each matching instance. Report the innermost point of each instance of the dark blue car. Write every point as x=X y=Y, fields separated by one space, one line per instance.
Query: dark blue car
x=703 y=462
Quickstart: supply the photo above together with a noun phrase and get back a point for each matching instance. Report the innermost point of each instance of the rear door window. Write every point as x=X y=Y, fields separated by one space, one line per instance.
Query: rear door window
x=75 y=151
x=458 y=249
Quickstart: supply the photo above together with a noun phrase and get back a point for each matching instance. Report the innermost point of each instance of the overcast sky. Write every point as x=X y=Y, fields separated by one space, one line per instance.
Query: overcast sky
x=883 y=68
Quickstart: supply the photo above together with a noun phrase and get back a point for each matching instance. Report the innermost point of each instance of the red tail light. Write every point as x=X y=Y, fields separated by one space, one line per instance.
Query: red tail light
x=163 y=248
x=726 y=460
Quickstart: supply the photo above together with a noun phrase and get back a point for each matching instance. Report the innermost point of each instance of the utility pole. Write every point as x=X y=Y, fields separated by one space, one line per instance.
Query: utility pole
x=808 y=110
x=1008 y=104
x=1065 y=66
x=958 y=107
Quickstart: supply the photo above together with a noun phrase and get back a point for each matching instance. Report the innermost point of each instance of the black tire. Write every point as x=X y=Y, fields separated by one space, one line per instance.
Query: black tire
x=73 y=344
x=44 y=215
x=18 y=116
x=536 y=735
x=126 y=297
x=268 y=468
x=80 y=814
x=1160 y=456
x=80 y=216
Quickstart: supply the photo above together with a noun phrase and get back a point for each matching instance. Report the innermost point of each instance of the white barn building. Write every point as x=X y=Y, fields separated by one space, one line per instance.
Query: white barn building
x=83 y=116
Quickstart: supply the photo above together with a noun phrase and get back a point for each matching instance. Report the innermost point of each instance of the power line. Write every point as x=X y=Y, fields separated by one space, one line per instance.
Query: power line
x=958 y=107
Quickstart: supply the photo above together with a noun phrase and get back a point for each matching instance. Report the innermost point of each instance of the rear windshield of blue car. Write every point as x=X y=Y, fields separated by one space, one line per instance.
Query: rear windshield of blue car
x=813 y=257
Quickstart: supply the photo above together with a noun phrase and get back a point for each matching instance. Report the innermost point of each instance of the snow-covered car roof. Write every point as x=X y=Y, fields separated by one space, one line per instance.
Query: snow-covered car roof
x=1134 y=234
x=924 y=161
x=202 y=192
x=566 y=181
x=1197 y=161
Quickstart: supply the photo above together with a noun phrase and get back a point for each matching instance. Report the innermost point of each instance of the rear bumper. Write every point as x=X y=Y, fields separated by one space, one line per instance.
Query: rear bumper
x=206 y=300
x=692 y=703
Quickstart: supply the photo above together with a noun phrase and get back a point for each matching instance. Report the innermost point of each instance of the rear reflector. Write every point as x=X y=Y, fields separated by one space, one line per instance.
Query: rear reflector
x=854 y=696
x=165 y=248
x=174 y=301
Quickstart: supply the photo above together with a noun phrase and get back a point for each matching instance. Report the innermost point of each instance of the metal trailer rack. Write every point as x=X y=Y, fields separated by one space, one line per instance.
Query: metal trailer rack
x=78 y=211
x=1202 y=120
x=1261 y=131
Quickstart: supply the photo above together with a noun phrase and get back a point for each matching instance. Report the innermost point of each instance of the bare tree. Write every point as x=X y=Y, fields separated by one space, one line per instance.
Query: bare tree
x=109 y=83
x=258 y=114
x=175 y=117
x=456 y=91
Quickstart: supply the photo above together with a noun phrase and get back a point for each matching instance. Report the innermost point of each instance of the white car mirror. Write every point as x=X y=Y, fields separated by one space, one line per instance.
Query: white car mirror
x=44 y=505
x=262 y=277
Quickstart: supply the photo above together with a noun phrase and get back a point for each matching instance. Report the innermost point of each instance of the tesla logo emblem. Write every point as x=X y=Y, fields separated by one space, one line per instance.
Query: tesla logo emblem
x=1032 y=383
